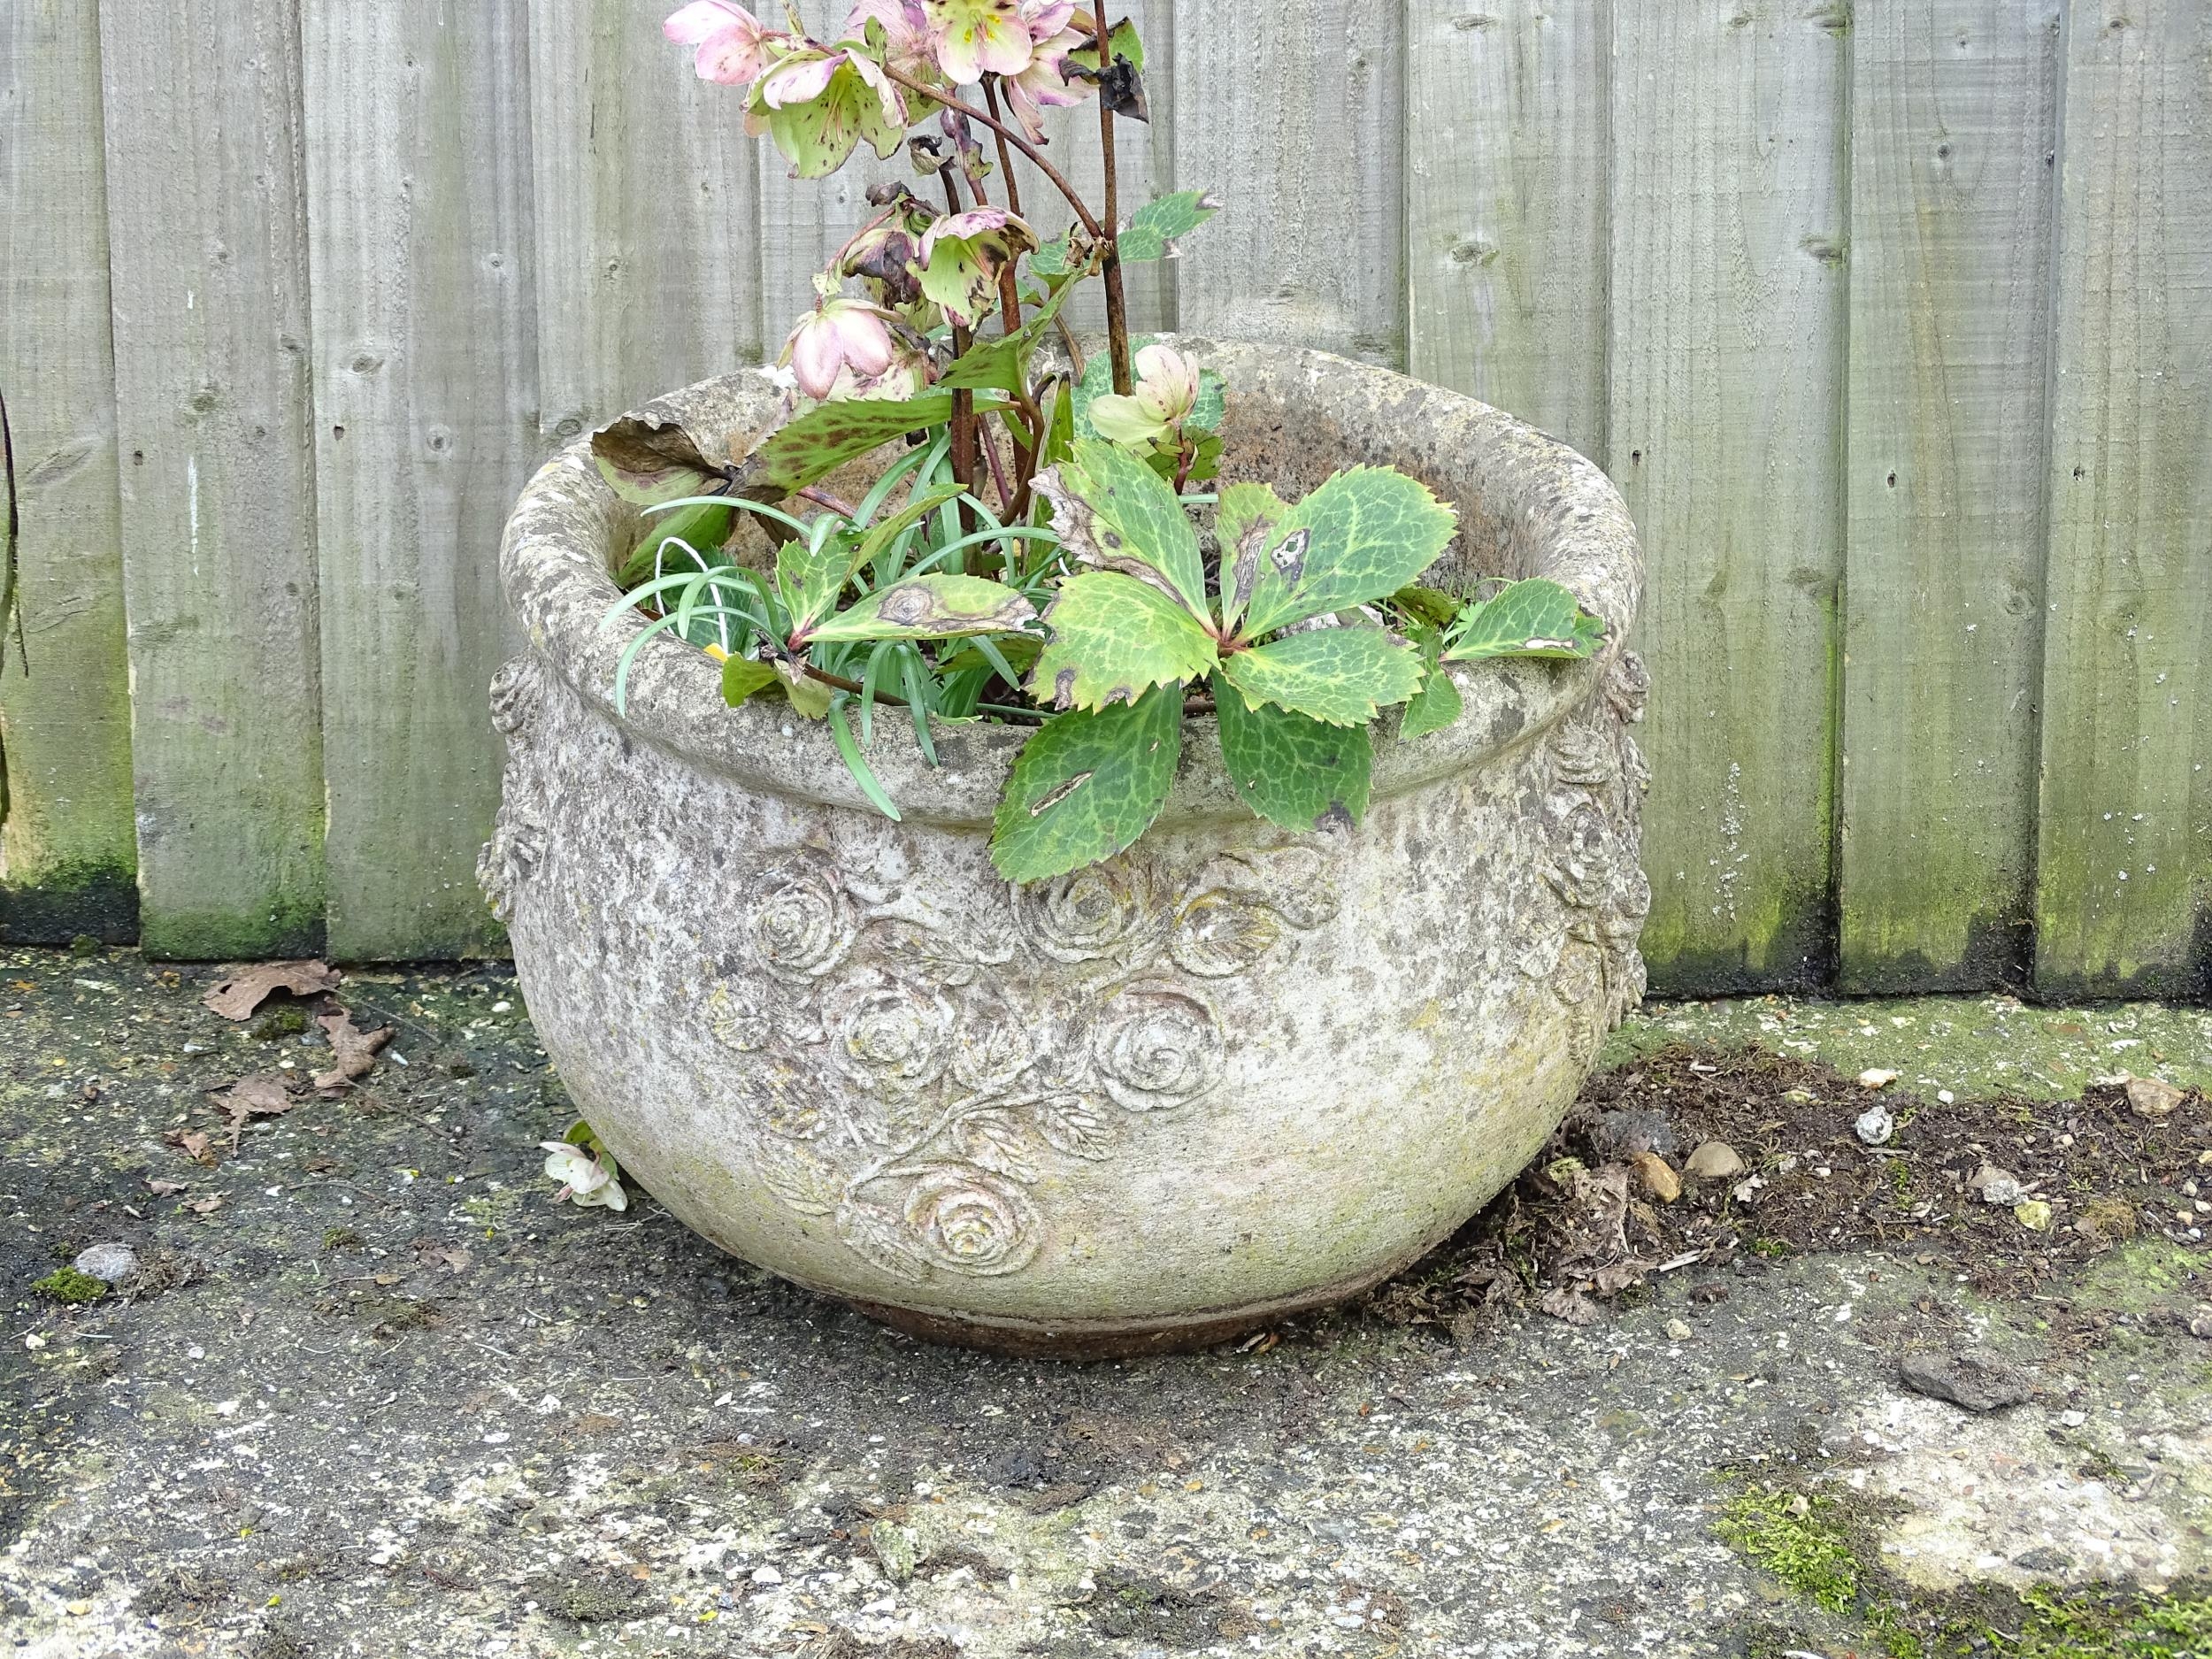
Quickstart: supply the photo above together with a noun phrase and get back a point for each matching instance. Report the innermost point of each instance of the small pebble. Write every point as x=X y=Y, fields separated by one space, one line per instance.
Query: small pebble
x=1996 y=1185
x=1946 y=1097
x=2153 y=1097
x=1679 y=1330
x=1715 y=1161
x=2033 y=1214
x=1875 y=1127
x=111 y=1263
x=766 y=1575
x=1656 y=1177
x=1876 y=1078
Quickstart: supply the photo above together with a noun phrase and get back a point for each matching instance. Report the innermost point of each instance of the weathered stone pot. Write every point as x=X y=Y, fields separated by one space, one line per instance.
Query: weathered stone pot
x=1234 y=1073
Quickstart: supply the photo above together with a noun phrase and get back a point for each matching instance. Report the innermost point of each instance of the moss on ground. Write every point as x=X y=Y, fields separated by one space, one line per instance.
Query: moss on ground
x=1821 y=1549
x=66 y=1284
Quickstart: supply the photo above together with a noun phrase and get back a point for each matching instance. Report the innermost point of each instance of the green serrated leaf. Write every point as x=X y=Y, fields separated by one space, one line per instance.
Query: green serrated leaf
x=741 y=679
x=1530 y=618
x=1055 y=259
x=1438 y=703
x=1138 y=525
x=1002 y=365
x=1207 y=414
x=1362 y=536
x=1121 y=39
x=1244 y=525
x=1430 y=605
x=818 y=442
x=1344 y=676
x=1087 y=785
x=1155 y=224
x=1113 y=638
x=1291 y=770
x=934 y=607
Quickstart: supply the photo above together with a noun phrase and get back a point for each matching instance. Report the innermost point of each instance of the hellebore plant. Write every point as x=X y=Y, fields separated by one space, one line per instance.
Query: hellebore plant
x=1045 y=550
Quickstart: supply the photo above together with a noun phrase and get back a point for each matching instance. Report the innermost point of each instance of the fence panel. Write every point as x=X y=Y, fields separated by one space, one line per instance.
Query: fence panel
x=2126 y=810
x=70 y=855
x=1954 y=115
x=1728 y=273
x=208 y=261
x=418 y=142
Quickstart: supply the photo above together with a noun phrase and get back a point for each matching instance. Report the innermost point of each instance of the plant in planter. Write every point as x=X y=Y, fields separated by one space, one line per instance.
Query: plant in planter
x=1164 y=851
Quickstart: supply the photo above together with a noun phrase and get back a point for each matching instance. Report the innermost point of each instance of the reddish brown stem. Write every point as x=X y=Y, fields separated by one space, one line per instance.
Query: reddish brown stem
x=1117 y=302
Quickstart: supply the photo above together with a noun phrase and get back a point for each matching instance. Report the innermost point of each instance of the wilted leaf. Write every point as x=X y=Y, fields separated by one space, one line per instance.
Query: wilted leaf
x=1363 y=535
x=237 y=997
x=264 y=1094
x=1087 y=785
x=934 y=607
x=1244 y=525
x=1571 y=1305
x=1341 y=675
x=648 y=460
x=1293 y=770
x=1529 y=618
x=807 y=694
x=1113 y=638
x=353 y=1052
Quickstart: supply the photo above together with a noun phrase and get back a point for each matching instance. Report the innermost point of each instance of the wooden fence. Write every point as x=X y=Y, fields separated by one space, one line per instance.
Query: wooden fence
x=1893 y=322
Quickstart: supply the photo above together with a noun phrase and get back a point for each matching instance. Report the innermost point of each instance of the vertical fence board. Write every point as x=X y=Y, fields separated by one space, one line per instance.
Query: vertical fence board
x=418 y=164
x=2125 y=845
x=1506 y=208
x=68 y=864
x=1728 y=326
x=646 y=210
x=208 y=261
x=1297 y=121
x=1954 y=112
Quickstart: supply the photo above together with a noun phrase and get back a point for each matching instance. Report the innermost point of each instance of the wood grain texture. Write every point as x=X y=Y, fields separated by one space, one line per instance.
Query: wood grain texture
x=1729 y=227
x=426 y=359
x=208 y=261
x=1506 y=222
x=68 y=861
x=1954 y=118
x=1298 y=122
x=647 y=214
x=2126 y=835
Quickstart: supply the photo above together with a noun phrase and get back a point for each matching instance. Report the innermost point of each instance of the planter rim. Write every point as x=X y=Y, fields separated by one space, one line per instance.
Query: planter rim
x=1566 y=515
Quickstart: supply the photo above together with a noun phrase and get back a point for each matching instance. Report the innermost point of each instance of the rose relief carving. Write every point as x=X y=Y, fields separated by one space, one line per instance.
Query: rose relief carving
x=519 y=838
x=952 y=1090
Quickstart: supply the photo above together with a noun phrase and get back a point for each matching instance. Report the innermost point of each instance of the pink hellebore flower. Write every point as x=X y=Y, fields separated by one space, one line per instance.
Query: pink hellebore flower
x=1044 y=85
x=976 y=36
x=819 y=103
x=1166 y=391
x=908 y=42
x=729 y=38
x=962 y=254
x=838 y=335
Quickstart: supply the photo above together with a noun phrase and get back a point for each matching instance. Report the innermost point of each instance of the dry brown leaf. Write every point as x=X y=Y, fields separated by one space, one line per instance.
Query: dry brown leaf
x=1571 y=1305
x=194 y=1145
x=263 y=1095
x=206 y=1206
x=237 y=997
x=354 y=1050
x=164 y=1189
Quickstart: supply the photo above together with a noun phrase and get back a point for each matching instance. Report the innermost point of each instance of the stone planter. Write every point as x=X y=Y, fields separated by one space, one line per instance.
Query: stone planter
x=1234 y=1073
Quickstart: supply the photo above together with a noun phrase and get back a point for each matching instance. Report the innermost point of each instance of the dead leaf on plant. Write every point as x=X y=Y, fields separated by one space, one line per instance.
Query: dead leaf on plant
x=261 y=1095
x=237 y=997
x=354 y=1050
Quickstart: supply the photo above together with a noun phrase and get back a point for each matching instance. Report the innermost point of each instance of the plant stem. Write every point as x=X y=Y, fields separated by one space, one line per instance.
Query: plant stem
x=1059 y=181
x=963 y=432
x=840 y=683
x=1117 y=302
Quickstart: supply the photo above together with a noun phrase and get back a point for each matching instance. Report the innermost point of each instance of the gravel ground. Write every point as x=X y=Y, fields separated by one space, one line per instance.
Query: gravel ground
x=372 y=1394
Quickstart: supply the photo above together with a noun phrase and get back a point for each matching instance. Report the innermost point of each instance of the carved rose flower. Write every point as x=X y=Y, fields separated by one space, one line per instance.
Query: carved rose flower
x=801 y=923
x=1583 y=756
x=1584 y=857
x=891 y=1040
x=971 y=1221
x=514 y=696
x=1103 y=910
x=735 y=1019
x=1220 y=933
x=1157 y=1049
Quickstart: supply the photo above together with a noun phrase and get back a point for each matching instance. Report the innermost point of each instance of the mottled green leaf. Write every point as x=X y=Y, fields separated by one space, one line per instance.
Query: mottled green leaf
x=1343 y=676
x=1362 y=536
x=816 y=443
x=741 y=679
x=1159 y=222
x=1530 y=618
x=1002 y=365
x=1124 y=517
x=1207 y=414
x=1291 y=770
x=1114 y=638
x=1087 y=785
x=1244 y=525
x=1438 y=703
x=934 y=607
